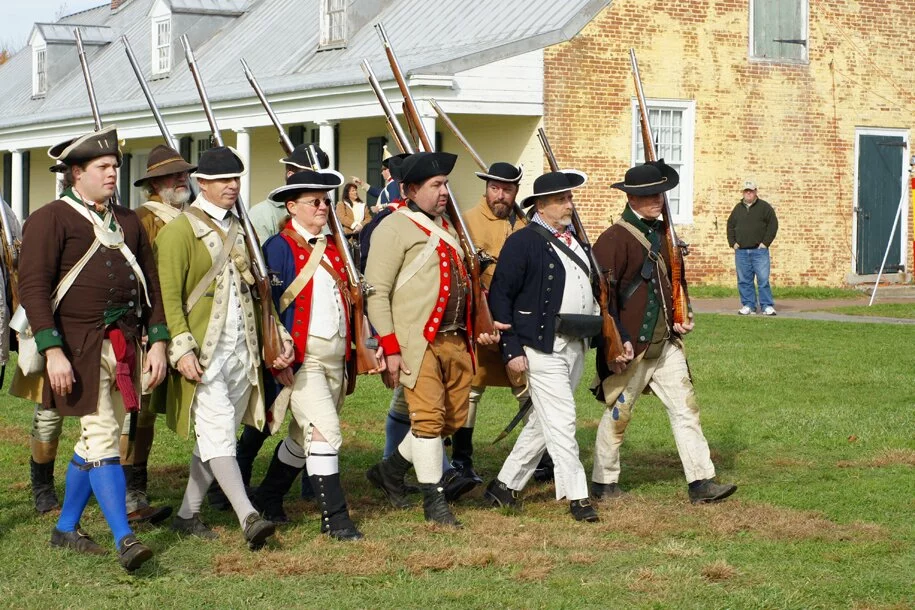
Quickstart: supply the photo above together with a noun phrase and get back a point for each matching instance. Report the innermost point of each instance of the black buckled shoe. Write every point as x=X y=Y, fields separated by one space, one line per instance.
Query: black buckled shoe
x=77 y=540
x=455 y=484
x=193 y=527
x=435 y=506
x=606 y=491
x=388 y=476
x=257 y=531
x=132 y=553
x=706 y=491
x=501 y=496
x=583 y=511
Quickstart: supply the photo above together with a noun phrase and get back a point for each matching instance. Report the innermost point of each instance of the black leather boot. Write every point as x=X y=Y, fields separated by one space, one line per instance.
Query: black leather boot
x=462 y=453
x=138 y=508
x=42 y=477
x=246 y=449
x=269 y=496
x=435 y=506
x=388 y=476
x=544 y=471
x=335 y=519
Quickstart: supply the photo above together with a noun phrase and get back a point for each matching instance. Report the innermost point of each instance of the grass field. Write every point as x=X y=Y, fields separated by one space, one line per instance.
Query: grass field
x=884 y=310
x=778 y=292
x=813 y=420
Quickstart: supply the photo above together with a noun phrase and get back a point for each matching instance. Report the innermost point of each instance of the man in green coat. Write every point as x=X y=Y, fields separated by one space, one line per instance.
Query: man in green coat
x=215 y=348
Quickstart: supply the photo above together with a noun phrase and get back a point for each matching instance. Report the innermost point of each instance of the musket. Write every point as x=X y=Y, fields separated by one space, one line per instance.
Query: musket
x=365 y=360
x=170 y=139
x=482 y=317
x=273 y=346
x=90 y=89
x=675 y=248
x=519 y=213
x=394 y=126
x=10 y=256
x=613 y=343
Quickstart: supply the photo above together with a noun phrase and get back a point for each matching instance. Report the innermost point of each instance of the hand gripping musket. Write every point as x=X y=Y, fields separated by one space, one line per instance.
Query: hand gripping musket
x=10 y=257
x=170 y=139
x=365 y=360
x=482 y=317
x=273 y=345
x=675 y=248
x=613 y=344
x=519 y=213
x=90 y=89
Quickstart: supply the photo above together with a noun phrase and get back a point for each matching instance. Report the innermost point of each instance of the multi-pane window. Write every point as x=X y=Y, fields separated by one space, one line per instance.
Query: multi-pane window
x=40 y=71
x=778 y=30
x=333 y=23
x=201 y=145
x=671 y=125
x=161 y=46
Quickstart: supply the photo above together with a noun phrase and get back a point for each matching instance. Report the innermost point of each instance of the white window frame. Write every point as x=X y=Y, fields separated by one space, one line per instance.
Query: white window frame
x=805 y=32
x=159 y=51
x=684 y=214
x=333 y=11
x=39 y=77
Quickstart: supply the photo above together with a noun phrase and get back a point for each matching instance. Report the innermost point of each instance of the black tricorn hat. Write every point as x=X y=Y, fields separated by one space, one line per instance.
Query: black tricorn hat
x=551 y=183
x=220 y=162
x=394 y=163
x=85 y=148
x=649 y=179
x=299 y=157
x=304 y=181
x=164 y=160
x=502 y=172
x=421 y=166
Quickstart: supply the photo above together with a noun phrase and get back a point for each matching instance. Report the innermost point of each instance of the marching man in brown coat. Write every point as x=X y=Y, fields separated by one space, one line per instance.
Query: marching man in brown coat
x=97 y=258
x=634 y=253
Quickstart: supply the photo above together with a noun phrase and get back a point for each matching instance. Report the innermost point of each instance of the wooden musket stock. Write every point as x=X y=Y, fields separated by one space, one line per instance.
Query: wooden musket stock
x=273 y=345
x=613 y=343
x=674 y=246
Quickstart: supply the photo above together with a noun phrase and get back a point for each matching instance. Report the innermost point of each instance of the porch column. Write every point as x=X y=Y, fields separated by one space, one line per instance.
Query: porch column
x=326 y=142
x=243 y=146
x=16 y=199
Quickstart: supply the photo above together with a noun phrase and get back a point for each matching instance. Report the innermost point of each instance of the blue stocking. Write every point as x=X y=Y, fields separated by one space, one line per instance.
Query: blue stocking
x=110 y=488
x=77 y=491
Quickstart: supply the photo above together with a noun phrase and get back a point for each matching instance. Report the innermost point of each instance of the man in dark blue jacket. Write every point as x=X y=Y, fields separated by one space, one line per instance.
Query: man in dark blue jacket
x=543 y=288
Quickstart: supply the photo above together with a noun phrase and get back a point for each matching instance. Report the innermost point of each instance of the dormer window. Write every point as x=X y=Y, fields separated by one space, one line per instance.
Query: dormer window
x=161 y=45
x=39 y=70
x=333 y=24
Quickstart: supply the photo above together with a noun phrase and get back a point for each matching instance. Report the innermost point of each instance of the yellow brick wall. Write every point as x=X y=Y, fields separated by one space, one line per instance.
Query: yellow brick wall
x=789 y=127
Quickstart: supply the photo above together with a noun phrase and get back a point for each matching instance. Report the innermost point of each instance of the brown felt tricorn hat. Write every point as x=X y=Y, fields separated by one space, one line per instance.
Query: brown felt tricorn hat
x=164 y=160
x=85 y=148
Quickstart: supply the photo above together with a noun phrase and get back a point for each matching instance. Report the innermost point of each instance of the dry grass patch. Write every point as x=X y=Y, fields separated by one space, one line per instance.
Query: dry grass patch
x=679 y=549
x=14 y=435
x=778 y=523
x=321 y=556
x=891 y=457
x=718 y=571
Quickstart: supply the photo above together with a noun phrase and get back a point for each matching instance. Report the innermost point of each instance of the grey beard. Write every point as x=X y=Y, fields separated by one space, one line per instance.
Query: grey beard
x=174 y=198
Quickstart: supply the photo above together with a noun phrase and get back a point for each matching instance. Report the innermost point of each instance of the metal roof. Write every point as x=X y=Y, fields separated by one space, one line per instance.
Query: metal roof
x=212 y=7
x=91 y=34
x=279 y=39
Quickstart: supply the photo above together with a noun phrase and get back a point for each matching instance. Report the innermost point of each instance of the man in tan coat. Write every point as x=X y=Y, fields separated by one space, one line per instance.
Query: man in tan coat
x=417 y=269
x=490 y=223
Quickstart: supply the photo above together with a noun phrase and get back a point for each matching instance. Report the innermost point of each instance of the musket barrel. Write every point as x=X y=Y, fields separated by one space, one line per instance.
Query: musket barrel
x=204 y=98
x=84 y=64
x=284 y=137
x=460 y=136
x=144 y=86
x=403 y=142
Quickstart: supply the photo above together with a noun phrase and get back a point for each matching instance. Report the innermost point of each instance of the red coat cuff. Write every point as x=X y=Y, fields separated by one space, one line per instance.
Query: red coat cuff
x=389 y=344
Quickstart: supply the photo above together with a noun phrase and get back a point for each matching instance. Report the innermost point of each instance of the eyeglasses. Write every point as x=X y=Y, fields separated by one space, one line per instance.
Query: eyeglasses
x=315 y=203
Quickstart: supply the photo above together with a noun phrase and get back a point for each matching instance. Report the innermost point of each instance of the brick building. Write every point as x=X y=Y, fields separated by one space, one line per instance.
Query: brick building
x=821 y=121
